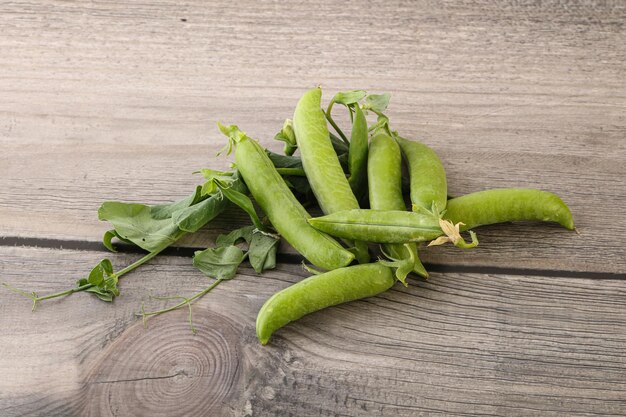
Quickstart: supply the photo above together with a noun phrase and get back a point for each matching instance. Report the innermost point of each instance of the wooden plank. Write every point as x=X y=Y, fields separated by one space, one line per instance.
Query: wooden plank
x=118 y=101
x=458 y=344
x=40 y=198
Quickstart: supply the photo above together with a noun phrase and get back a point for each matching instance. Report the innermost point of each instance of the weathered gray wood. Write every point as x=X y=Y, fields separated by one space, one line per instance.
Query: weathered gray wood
x=42 y=199
x=120 y=101
x=458 y=344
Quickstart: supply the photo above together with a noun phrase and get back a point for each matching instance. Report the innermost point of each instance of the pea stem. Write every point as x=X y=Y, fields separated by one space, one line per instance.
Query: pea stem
x=36 y=299
x=62 y=293
x=333 y=124
x=138 y=262
x=185 y=302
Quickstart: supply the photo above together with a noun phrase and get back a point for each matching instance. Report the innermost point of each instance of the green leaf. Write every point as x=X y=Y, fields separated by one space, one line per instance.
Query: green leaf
x=219 y=263
x=339 y=145
x=378 y=103
x=107 y=240
x=284 y=161
x=163 y=211
x=244 y=202
x=262 y=251
x=103 y=281
x=99 y=272
x=349 y=97
x=137 y=224
x=155 y=227
x=402 y=268
x=191 y=219
x=211 y=175
x=236 y=236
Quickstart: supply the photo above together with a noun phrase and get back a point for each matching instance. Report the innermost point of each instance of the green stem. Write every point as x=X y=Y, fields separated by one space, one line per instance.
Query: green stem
x=139 y=262
x=461 y=243
x=118 y=274
x=62 y=293
x=185 y=302
x=333 y=124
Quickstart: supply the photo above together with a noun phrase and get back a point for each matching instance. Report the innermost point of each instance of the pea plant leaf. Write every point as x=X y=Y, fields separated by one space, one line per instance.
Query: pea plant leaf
x=349 y=97
x=136 y=223
x=102 y=281
x=164 y=211
x=154 y=228
x=210 y=175
x=192 y=218
x=107 y=240
x=377 y=103
x=244 y=202
x=262 y=246
x=220 y=262
x=262 y=251
x=284 y=161
x=223 y=261
x=243 y=234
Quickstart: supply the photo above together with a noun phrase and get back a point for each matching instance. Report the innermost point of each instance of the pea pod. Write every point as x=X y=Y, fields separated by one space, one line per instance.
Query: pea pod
x=320 y=162
x=507 y=205
x=380 y=226
x=287 y=215
x=357 y=156
x=428 y=178
x=391 y=226
x=321 y=291
x=384 y=169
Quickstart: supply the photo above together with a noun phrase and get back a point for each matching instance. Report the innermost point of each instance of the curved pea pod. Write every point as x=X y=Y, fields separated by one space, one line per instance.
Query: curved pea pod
x=327 y=179
x=428 y=177
x=380 y=226
x=384 y=171
x=287 y=215
x=508 y=205
x=319 y=160
x=321 y=291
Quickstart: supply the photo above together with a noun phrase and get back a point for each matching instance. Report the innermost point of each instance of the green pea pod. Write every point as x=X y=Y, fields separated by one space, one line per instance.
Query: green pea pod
x=384 y=171
x=319 y=159
x=507 y=205
x=428 y=177
x=380 y=226
x=357 y=156
x=287 y=215
x=320 y=162
x=321 y=291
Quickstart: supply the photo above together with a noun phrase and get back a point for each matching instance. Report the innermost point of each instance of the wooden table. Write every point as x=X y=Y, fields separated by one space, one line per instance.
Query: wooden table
x=117 y=101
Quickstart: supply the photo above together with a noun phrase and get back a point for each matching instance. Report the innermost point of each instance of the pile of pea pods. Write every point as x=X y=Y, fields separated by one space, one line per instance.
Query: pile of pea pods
x=344 y=234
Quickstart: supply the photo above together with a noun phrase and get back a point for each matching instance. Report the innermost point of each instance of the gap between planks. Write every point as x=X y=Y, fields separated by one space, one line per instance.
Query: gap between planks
x=294 y=258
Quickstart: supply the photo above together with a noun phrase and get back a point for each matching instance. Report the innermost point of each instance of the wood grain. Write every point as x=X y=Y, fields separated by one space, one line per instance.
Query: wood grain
x=459 y=344
x=42 y=199
x=119 y=100
x=125 y=99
